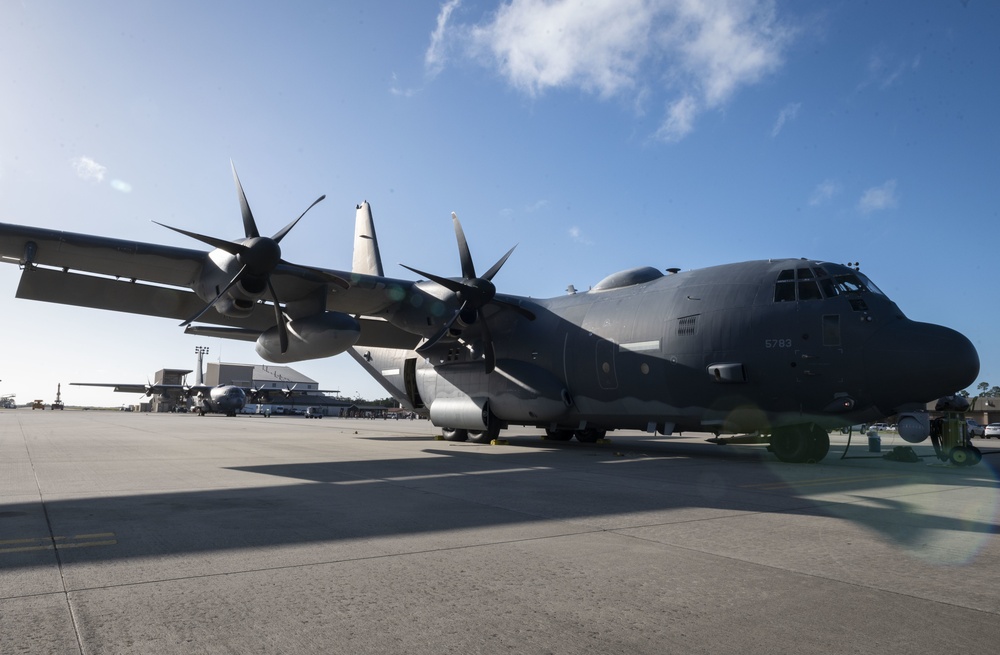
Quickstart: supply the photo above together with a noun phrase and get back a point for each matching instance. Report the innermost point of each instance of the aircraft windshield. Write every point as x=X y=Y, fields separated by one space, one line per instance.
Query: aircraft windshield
x=808 y=283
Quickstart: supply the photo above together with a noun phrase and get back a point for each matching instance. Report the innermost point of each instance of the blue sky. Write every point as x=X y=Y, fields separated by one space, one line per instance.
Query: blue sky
x=597 y=135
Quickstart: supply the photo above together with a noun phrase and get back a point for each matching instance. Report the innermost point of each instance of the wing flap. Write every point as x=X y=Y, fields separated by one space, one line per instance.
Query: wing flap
x=102 y=255
x=67 y=288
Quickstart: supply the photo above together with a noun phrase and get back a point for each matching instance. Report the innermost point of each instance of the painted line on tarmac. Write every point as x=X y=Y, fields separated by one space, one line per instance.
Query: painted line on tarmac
x=33 y=544
x=822 y=482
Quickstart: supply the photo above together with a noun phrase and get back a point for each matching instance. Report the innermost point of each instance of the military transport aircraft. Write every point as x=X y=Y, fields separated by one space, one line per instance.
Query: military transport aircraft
x=789 y=348
x=228 y=399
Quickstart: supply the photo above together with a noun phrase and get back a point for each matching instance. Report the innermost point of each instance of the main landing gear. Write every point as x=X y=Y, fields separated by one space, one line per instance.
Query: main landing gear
x=586 y=435
x=475 y=436
x=800 y=444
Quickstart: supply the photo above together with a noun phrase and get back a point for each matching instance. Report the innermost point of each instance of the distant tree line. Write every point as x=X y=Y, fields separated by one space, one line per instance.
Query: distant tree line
x=985 y=391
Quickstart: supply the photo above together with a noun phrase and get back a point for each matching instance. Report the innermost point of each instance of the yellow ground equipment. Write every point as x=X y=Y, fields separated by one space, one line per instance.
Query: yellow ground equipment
x=952 y=441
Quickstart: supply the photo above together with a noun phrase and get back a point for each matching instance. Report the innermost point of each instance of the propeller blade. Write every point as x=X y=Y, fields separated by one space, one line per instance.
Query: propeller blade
x=496 y=267
x=468 y=268
x=249 y=225
x=323 y=276
x=451 y=285
x=283 y=231
x=229 y=286
x=221 y=244
x=279 y=318
x=437 y=336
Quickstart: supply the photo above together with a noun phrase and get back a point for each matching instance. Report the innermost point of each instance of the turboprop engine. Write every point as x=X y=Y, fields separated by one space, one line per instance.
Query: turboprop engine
x=310 y=337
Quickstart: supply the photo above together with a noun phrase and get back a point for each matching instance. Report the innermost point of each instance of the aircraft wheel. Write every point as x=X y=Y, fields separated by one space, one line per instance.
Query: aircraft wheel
x=819 y=444
x=961 y=456
x=590 y=435
x=793 y=445
x=558 y=435
x=487 y=435
x=451 y=434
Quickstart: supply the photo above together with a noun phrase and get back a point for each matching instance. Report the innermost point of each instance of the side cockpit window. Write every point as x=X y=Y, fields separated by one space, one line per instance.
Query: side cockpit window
x=784 y=288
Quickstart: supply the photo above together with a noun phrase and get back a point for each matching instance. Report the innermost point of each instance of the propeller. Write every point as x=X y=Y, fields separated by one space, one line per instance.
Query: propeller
x=259 y=257
x=474 y=293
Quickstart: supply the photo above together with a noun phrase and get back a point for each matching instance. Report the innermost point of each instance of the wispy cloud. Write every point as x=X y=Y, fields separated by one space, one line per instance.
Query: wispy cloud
x=694 y=55
x=397 y=90
x=788 y=113
x=885 y=69
x=434 y=58
x=576 y=234
x=88 y=169
x=824 y=192
x=878 y=198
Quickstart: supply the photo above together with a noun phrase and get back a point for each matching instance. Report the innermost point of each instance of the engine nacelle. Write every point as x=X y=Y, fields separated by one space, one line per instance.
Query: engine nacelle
x=310 y=337
x=239 y=301
x=461 y=412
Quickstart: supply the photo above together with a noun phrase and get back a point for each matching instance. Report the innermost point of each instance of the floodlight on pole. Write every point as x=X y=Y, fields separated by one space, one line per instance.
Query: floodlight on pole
x=202 y=351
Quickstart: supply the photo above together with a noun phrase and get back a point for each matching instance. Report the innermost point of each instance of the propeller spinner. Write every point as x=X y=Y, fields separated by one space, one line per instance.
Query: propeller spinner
x=474 y=293
x=258 y=258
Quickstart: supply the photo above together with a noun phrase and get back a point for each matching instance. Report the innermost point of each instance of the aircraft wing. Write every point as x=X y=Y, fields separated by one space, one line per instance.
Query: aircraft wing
x=158 y=280
x=148 y=389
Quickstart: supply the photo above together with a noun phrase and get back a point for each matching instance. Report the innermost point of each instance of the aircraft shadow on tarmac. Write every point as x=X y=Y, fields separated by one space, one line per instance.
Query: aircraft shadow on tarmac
x=455 y=488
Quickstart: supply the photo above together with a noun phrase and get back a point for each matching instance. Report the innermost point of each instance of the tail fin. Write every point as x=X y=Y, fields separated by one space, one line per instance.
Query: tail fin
x=367 y=259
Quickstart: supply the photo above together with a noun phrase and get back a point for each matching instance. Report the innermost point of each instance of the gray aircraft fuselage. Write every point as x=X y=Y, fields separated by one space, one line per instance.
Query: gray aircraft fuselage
x=753 y=346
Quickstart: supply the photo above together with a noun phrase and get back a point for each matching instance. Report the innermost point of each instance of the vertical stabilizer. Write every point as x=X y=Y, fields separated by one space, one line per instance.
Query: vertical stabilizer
x=367 y=259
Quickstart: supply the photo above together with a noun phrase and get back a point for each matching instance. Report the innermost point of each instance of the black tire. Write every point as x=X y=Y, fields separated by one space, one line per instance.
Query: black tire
x=798 y=444
x=819 y=444
x=558 y=435
x=452 y=434
x=590 y=435
x=484 y=436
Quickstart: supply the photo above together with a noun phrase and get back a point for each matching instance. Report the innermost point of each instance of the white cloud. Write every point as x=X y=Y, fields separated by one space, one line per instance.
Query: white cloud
x=88 y=169
x=397 y=90
x=696 y=53
x=434 y=58
x=878 y=198
x=577 y=235
x=119 y=185
x=824 y=192
x=886 y=69
x=788 y=113
x=679 y=121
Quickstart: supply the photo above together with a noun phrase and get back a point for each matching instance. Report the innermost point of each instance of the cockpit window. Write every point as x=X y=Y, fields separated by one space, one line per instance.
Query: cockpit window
x=854 y=283
x=807 y=283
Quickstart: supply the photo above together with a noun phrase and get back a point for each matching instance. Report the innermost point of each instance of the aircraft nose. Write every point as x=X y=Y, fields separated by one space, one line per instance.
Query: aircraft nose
x=910 y=362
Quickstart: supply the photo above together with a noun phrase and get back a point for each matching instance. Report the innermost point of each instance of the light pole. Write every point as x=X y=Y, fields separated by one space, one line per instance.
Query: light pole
x=202 y=351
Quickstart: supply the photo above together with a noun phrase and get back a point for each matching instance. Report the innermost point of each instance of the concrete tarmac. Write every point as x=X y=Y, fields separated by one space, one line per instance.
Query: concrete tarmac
x=140 y=533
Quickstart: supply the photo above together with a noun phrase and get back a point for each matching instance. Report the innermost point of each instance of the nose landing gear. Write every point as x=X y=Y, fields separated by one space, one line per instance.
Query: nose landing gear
x=952 y=442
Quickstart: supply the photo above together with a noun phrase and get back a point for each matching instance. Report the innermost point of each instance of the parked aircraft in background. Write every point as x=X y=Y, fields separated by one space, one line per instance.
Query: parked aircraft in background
x=228 y=399
x=785 y=347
